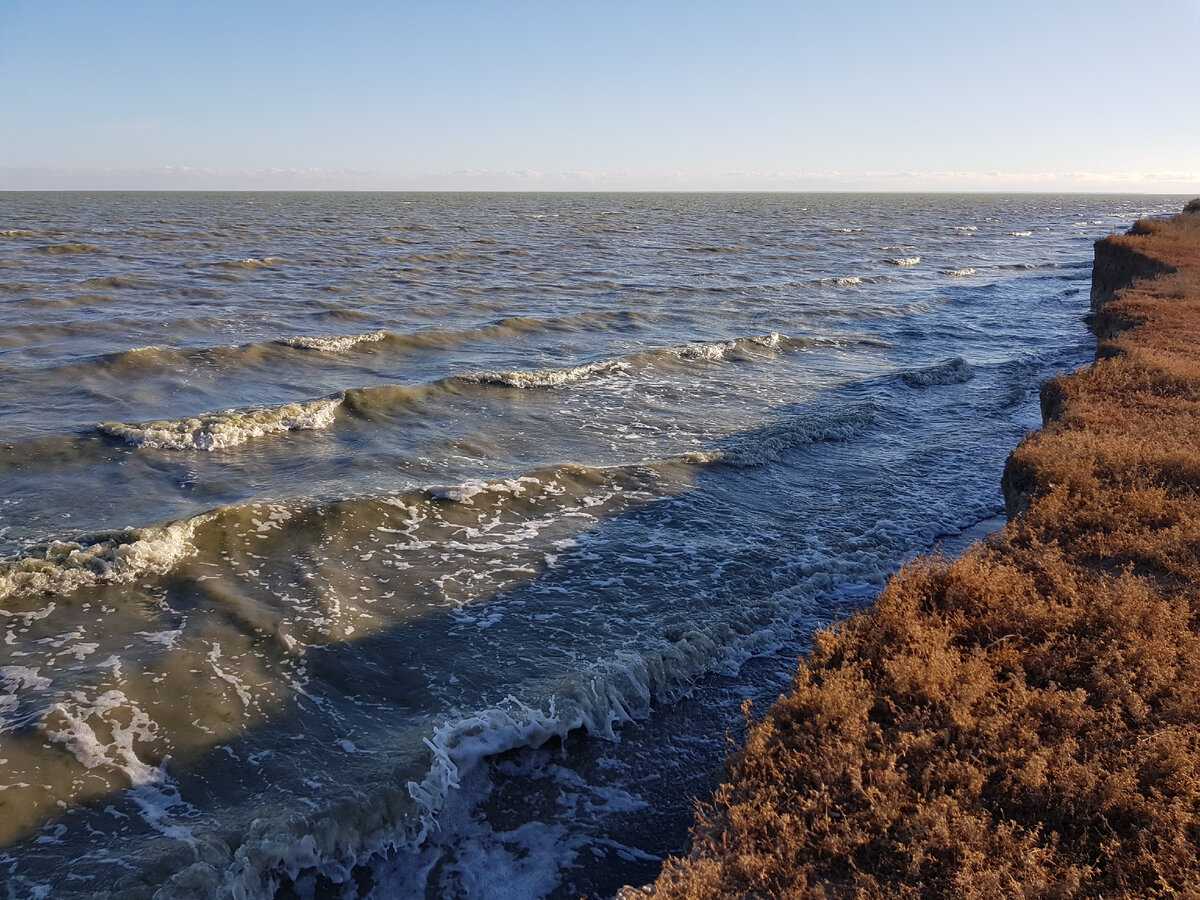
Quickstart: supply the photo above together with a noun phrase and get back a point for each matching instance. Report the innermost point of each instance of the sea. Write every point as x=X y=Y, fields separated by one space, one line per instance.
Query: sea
x=400 y=545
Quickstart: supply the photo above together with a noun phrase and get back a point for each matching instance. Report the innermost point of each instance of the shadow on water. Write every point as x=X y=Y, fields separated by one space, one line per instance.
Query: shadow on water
x=801 y=537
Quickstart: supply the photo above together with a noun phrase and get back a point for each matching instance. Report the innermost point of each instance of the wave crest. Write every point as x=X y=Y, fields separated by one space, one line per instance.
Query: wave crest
x=332 y=343
x=952 y=371
x=59 y=567
x=713 y=351
x=229 y=428
x=542 y=378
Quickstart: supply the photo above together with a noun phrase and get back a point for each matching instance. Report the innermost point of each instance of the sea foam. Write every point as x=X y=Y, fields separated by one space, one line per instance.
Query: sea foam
x=60 y=567
x=332 y=343
x=228 y=428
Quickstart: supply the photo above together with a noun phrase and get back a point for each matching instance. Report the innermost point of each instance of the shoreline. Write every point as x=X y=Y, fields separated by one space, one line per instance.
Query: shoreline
x=1022 y=719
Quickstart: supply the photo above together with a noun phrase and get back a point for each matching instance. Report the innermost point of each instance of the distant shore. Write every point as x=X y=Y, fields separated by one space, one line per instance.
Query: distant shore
x=1024 y=720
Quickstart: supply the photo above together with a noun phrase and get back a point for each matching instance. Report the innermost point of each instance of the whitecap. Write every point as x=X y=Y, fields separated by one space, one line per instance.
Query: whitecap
x=228 y=428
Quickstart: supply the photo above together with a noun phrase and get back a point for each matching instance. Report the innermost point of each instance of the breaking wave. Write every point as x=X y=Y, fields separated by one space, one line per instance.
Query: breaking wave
x=905 y=261
x=332 y=343
x=395 y=821
x=543 y=378
x=228 y=428
x=232 y=427
x=59 y=567
x=966 y=272
x=717 y=350
x=1020 y=234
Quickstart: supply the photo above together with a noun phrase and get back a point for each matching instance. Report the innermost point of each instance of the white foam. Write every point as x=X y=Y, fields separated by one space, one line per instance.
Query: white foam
x=153 y=790
x=905 y=261
x=465 y=491
x=966 y=272
x=1020 y=234
x=229 y=428
x=540 y=378
x=332 y=343
x=713 y=351
x=64 y=566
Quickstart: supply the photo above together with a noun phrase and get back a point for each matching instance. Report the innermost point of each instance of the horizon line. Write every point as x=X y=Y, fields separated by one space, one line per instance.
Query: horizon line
x=630 y=191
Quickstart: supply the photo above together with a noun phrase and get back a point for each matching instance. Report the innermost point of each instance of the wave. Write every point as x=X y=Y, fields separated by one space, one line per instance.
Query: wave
x=966 y=272
x=60 y=567
x=839 y=281
x=228 y=428
x=905 y=261
x=17 y=233
x=232 y=427
x=693 y=351
x=63 y=566
x=767 y=445
x=1020 y=234
x=509 y=328
x=713 y=351
x=332 y=343
x=542 y=378
x=952 y=371
x=397 y=819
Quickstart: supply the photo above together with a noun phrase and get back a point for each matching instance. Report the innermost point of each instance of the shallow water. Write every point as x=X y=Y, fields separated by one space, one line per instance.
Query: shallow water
x=310 y=503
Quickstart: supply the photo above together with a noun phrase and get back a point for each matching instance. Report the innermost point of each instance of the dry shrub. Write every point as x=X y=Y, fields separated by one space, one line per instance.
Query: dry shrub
x=1024 y=721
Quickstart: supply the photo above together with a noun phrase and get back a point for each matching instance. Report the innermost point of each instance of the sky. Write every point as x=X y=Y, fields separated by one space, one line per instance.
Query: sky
x=602 y=95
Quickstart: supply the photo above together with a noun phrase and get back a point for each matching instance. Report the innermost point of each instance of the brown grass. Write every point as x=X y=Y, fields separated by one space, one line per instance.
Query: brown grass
x=1025 y=721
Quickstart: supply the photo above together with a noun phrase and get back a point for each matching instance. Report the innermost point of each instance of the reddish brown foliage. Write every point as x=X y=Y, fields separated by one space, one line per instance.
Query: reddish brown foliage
x=1024 y=721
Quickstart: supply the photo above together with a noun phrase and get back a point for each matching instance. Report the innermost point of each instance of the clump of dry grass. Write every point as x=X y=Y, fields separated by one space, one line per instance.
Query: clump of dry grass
x=1024 y=721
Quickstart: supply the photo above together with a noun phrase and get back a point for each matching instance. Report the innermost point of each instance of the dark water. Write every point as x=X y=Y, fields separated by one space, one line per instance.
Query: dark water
x=315 y=504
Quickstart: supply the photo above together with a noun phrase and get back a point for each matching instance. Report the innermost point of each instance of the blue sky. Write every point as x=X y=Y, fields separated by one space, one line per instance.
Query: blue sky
x=462 y=95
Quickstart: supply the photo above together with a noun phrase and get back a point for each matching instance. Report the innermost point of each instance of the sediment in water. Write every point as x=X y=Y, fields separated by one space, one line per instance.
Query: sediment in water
x=1026 y=719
